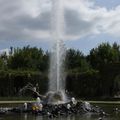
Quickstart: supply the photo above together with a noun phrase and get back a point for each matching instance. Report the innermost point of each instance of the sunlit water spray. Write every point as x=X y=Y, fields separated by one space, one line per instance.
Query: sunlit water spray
x=57 y=74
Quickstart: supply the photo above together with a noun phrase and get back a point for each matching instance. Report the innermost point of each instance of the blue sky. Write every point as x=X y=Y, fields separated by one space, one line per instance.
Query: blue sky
x=108 y=3
x=88 y=23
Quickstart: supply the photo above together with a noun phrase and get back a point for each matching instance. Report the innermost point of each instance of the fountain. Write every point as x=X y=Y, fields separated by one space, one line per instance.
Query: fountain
x=57 y=74
x=56 y=94
x=56 y=89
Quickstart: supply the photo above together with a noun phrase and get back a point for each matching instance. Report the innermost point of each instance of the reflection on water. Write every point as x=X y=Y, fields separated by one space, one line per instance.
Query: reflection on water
x=78 y=117
x=88 y=116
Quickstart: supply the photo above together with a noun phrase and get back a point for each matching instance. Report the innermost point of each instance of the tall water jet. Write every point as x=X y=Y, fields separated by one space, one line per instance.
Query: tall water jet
x=57 y=74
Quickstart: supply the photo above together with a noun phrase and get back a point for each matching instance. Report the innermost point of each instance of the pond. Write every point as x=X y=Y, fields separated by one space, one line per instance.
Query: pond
x=112 y=115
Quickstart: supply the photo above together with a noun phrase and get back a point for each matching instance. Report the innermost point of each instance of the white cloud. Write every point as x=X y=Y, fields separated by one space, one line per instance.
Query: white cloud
x=30 y=19
x=6 y=51
x=35 y=7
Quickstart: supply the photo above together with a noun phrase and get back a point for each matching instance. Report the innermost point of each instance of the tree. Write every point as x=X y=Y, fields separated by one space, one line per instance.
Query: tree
x=75 y=60
x=104 y=54
x=28 y=58
x=1 y=64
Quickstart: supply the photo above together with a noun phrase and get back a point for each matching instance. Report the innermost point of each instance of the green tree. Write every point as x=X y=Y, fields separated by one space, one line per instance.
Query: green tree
x=1 y=64
x=104 y=54
x=76 y=61
x=28 y=58
x=3 y=61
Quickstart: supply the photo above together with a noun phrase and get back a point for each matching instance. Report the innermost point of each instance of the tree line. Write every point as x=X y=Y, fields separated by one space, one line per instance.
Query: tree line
x=95 y=74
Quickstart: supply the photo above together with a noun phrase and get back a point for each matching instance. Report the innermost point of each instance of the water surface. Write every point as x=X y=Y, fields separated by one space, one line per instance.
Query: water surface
x=88 y=116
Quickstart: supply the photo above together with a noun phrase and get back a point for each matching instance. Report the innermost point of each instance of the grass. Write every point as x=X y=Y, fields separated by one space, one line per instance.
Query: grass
x=16 y=99
x=23 y=101
x=10 y=101
x=104 y=102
